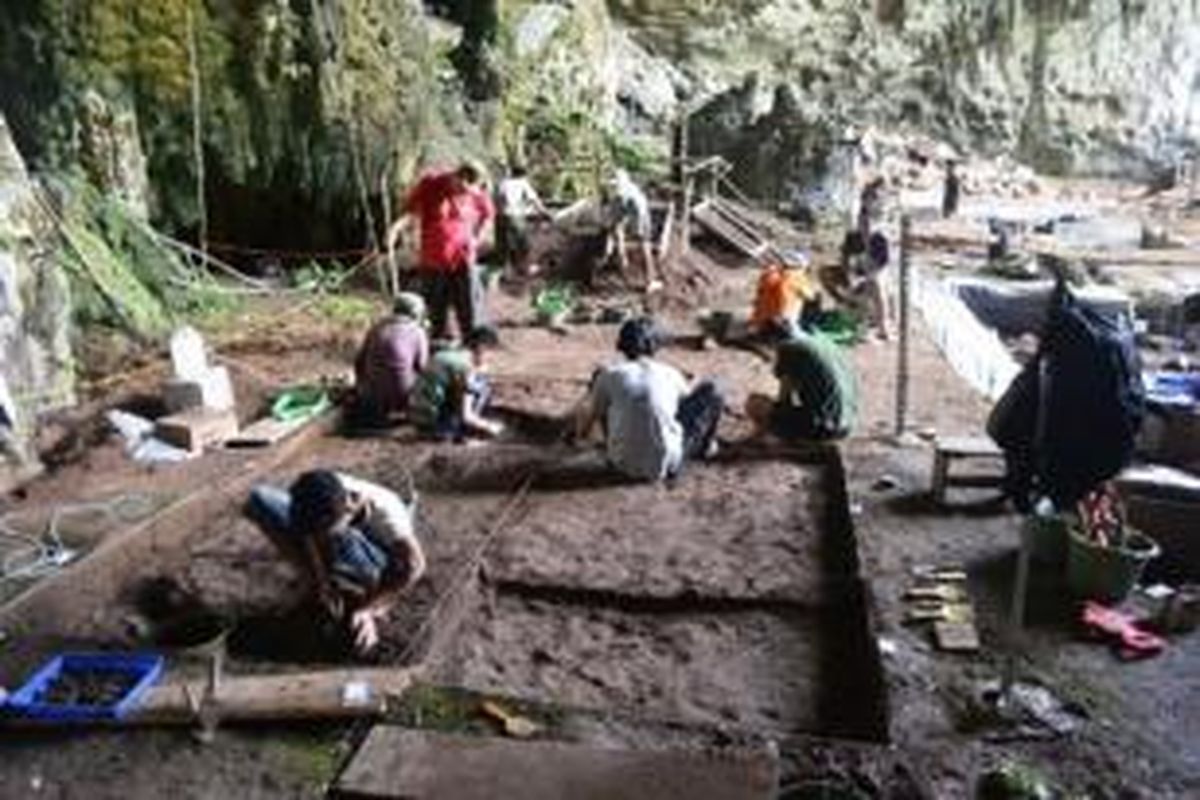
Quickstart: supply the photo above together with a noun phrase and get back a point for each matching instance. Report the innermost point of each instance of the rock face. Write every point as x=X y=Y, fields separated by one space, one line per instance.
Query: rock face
x=1097 y=87
x=36 y=370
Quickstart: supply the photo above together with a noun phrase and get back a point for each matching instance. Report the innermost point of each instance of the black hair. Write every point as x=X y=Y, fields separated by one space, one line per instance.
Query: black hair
x=469 y=172
x=318 y=499
x=638 y=337
x=517 y=170
x=480 y=338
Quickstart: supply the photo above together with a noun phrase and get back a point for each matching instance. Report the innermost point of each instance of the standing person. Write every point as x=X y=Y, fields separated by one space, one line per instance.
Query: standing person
x=392 y=355
x=450 y=396
x=652 y=420
x=353 y=540
x=628 y=211
x=517 y=202
x=860 y=285
x=452 y=210
x=951 y=189
x=817 y=397
x=870 y=206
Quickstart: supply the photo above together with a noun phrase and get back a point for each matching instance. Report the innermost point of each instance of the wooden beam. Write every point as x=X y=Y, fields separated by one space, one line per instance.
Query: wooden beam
x=321 y=695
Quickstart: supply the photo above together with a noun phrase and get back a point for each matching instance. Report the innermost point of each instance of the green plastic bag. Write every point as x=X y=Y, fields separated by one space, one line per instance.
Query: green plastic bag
x=300 y=403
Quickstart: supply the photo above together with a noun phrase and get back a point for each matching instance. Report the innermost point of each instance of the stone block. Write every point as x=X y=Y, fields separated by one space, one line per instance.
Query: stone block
x=214 y=392
x=193 y=430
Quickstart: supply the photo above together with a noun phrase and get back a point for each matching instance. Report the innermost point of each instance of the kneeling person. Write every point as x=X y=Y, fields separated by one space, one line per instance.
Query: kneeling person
x=451 y=394
x=353 y=540
x=392 y=355
x=652 y=419
x=817 y=392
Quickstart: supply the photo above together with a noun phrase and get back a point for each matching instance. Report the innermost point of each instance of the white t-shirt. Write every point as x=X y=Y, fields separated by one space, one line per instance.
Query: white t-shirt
x=639 y=400
x=516 y=197
x=386 y=514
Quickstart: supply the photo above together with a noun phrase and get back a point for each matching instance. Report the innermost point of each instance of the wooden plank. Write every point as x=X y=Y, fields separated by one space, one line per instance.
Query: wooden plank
x=330 y=694
x=399 y=763
x=265 y=432
x=322 y=695
x=969 y=446
x=197 y=428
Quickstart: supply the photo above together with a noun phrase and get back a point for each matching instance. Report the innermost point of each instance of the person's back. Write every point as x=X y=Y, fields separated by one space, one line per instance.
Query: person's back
x=819 y=393
x=639 y=400
x=392 y=356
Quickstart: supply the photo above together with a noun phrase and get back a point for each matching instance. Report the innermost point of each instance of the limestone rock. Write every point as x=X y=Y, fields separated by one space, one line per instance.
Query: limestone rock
x=35 y=352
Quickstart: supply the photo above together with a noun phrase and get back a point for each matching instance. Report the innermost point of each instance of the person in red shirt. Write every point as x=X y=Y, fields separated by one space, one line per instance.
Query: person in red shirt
x=452 y=210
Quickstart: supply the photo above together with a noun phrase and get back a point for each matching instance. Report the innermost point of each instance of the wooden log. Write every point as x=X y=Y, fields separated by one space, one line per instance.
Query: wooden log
x=301 y=696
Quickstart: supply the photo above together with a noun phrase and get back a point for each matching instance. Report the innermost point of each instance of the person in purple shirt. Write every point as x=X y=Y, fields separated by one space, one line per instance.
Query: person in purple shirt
x=393 y=354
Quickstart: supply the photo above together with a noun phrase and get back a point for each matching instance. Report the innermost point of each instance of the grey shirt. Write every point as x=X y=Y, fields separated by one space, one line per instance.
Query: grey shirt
x=638 y=401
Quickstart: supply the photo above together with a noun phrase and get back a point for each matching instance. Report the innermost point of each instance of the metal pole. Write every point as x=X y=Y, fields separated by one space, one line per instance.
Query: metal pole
x=904 y=324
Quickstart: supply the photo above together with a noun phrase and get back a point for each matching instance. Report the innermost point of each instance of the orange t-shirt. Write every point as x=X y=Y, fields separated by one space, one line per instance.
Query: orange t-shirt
x=781 y=293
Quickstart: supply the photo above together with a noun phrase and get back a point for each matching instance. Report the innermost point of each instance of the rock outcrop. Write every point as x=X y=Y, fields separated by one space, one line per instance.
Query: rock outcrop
x=1109 y=87
x=36 y=369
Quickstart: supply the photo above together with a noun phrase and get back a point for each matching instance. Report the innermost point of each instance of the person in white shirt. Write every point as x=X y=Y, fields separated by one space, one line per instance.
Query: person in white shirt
x=627 y=211
x=653 y=420
x=352 y=539
x=517 y=203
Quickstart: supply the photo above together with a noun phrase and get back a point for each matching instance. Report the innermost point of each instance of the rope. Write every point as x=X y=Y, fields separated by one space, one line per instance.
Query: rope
x=34 y=557
x=469 y=568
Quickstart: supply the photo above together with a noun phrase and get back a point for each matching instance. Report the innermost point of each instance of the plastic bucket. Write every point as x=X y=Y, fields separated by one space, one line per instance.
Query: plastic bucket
x=1046 y=538
x=1107 y=574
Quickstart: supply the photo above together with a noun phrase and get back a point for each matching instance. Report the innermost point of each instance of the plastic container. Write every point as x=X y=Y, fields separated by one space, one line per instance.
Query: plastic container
x=141 y=670
x=1107 y=574
x=1045 y=535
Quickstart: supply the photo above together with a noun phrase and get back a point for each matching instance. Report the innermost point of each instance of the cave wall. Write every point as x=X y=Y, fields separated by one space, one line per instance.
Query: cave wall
x=36 y=368
x=1096 y=87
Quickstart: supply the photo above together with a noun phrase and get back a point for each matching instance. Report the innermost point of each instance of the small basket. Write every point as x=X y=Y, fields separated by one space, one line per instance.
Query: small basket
x=139 y=670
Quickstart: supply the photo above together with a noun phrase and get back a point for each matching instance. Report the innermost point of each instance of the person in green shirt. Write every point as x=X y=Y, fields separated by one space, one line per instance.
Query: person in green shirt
x=452 y=392
x=817 y=399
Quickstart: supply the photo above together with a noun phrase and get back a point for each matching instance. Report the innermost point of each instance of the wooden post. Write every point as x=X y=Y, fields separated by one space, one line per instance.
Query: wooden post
x=197 y=131
x=902 y=349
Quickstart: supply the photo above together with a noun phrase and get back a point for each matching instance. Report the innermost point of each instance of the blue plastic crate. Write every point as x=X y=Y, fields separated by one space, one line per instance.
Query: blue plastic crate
x=144 y=669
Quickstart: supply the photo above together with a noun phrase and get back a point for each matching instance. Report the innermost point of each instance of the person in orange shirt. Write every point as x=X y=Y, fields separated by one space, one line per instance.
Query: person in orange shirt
x=783 y=289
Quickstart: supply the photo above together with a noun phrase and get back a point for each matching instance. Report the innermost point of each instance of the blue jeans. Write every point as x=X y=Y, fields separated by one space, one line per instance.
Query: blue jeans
x=698 y=414
x=356 y=562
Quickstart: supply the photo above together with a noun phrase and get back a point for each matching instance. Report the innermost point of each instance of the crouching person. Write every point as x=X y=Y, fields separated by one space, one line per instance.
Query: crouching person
x=817 y=396
x=652 y=420
x=393 y=354
x=452 y=393
x=353 y=540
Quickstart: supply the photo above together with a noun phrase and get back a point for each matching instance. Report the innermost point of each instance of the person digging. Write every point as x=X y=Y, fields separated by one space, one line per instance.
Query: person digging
x=652 y=420
x=817 y=393
x=353 y=540
x=627 y=215
x=450 y=396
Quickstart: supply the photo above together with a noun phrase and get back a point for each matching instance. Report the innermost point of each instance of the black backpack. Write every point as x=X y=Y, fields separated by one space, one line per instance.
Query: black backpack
x=1069 y=419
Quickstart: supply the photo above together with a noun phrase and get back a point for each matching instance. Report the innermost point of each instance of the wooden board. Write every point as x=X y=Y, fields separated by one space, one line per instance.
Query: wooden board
x=265 y=432
x=323 y=695
x=330 y=694
x=399 y=763
x=197 y=428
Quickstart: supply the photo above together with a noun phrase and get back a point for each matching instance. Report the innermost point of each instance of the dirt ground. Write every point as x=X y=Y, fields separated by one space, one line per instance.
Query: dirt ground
x=738 y=632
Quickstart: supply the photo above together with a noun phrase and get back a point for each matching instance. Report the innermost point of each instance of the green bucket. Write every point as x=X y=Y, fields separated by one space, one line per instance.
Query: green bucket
x=1045 y=537
x=1107 y=574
